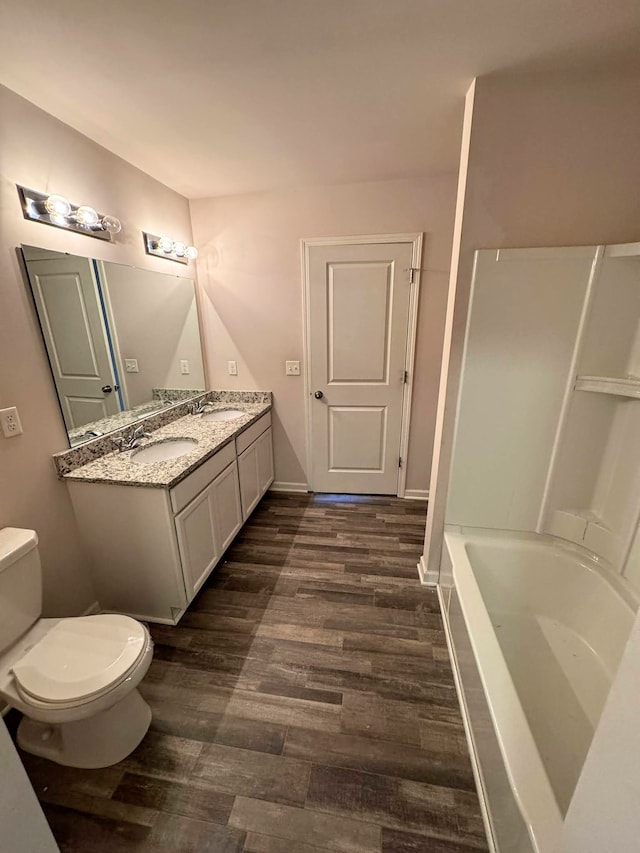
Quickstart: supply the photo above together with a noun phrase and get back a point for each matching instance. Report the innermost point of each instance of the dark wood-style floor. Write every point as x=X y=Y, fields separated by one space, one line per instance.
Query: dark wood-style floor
x=305 y=703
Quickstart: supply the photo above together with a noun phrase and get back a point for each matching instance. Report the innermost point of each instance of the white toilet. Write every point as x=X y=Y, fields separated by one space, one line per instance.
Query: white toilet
x=73 y=679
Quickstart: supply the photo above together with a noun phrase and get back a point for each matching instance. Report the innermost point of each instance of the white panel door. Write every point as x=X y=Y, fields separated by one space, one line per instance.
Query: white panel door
x=66 y=296
x=358 y=326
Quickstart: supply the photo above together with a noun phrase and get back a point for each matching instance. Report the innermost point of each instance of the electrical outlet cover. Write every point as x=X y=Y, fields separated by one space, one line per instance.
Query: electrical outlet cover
x=10 y=420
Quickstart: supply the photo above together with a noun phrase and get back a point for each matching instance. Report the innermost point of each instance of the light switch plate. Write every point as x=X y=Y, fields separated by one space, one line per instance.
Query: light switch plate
x=10 y=420
x=233 y=368
x=292 y=368
x=184 y=366
x=131 y=365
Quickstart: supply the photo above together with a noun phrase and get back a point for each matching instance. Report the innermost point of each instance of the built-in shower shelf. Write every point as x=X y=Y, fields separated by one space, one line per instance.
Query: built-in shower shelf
x=619 y=386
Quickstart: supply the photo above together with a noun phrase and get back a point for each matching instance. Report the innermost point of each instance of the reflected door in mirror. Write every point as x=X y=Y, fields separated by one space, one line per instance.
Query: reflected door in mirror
x=68 y=302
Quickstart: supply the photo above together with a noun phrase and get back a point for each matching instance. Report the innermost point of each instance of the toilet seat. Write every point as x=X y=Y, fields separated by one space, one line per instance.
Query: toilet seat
x=80 y=658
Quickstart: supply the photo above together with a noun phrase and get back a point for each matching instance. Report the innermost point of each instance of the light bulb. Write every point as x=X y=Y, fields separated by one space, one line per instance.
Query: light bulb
x=191 y=252
x=165 y=245
x=86 y=215
x=111 y=224
x=57 y=205
x=179 y=249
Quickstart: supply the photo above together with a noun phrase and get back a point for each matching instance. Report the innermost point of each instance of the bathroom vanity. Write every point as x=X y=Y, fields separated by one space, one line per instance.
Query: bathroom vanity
x=155 y=530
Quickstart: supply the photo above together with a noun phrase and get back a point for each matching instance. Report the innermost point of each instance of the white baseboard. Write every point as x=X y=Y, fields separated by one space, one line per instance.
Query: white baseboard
x=278 y=486
x=416 y=494
x=427 y=578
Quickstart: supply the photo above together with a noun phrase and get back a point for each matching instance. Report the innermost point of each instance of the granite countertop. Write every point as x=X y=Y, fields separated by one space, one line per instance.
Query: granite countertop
x=118 y=468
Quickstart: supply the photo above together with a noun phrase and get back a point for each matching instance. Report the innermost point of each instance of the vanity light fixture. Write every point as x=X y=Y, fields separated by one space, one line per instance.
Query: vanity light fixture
x=58 y=211
x=165 y=247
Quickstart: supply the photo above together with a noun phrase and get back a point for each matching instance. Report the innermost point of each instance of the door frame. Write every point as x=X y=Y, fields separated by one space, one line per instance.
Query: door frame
x=416 y=240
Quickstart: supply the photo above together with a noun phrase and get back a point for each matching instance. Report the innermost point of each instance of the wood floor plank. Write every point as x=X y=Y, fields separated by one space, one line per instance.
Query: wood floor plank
x=191 y=799
x=184 y=835
x=305 y=825
x=246 y=773
x=274 y=708
x=429 y=810
x=395 y=841
x=83 y=832
x=224 y=728
x=256 y=843
x=46 y=776
x=164 y=756
x=442 y=764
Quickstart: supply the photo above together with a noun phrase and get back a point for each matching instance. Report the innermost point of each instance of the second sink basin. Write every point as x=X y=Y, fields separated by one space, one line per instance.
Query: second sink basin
x=161 y=451
x=224 y=415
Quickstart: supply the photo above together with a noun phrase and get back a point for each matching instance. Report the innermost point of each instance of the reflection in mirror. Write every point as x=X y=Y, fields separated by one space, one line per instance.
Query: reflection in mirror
x=122 y=342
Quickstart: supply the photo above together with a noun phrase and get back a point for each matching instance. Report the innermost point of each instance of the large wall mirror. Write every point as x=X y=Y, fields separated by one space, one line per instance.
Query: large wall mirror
x=122 y=342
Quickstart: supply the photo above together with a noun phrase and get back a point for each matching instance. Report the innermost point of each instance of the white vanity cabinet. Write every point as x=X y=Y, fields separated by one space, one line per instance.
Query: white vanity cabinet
x=151 y=549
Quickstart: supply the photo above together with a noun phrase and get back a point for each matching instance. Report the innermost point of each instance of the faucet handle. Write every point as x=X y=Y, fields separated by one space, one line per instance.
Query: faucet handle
x=139 y=432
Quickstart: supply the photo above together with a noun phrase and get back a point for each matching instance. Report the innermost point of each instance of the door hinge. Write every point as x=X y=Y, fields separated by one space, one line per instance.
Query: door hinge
x=412 y=273
x=400 y=462
x=405 y=377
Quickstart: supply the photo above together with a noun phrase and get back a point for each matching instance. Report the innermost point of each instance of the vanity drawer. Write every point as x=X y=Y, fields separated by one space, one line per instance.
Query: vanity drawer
x=192 y=485
x=249 y=435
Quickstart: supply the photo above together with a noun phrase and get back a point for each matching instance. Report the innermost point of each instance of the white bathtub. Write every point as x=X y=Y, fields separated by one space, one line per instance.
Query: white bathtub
x=544 y=627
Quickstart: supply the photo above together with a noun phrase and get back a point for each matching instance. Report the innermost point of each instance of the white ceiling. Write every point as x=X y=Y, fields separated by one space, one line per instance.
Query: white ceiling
x=215 y=97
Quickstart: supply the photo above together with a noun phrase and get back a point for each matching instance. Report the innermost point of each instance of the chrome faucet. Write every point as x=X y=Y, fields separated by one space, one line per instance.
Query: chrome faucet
x=131 y=440
x=199 y=407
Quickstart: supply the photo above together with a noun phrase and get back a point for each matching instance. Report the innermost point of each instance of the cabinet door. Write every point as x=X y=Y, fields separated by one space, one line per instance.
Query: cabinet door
x=265 y=461
x=197 y=542
x=227 y=507
x=249 y=483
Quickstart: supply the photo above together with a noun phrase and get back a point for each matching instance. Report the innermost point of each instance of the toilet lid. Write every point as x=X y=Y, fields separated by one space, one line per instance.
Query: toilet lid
x=80 y=657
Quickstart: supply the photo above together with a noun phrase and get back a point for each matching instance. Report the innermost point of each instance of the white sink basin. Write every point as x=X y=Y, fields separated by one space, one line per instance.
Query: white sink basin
x=161 y=451
x=224 y=415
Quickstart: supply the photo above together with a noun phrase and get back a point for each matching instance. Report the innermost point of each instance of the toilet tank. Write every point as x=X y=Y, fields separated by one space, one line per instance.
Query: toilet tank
x=20 y=583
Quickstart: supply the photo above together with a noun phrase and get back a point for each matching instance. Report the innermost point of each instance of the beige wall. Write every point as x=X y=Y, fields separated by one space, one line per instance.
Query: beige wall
x=155 y=321
x=41 y=152
x=553 y=160
x=249 y=270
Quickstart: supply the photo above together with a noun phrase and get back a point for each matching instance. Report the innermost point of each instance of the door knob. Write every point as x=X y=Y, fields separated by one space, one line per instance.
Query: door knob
x=107 y=389
x=318 y=395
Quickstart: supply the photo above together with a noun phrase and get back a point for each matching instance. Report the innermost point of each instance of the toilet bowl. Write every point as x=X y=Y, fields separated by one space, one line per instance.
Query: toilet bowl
x=73 y=679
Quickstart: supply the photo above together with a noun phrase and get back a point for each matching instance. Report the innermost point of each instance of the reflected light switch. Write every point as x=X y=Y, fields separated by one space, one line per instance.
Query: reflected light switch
x=292 y=368
x=184 y=366
x=131 y=365
x=233 y=368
